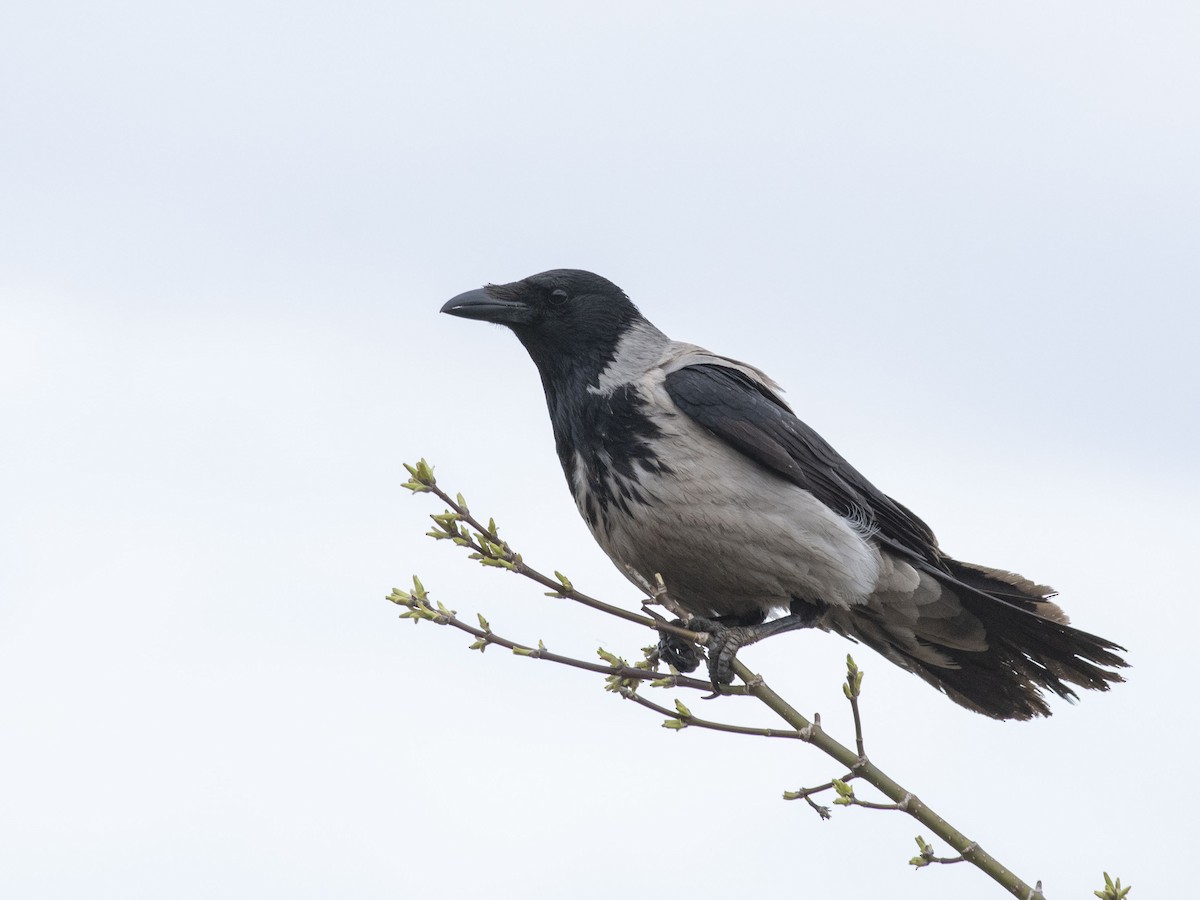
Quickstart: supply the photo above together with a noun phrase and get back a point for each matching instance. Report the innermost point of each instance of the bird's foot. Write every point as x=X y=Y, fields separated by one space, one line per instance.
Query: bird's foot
x=677 y=651
x=725 y=639
x=724 y=642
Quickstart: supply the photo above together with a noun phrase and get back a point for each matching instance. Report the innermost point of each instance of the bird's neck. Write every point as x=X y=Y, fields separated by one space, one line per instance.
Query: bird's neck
x=582 y=383
x=602 y=429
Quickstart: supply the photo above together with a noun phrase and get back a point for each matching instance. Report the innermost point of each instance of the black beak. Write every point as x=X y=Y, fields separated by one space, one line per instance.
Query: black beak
x=482 y=305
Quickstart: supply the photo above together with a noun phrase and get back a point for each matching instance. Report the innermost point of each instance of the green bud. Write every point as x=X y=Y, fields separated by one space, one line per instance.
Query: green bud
x=1113 y=890
x=424 y=473
x=613 y=660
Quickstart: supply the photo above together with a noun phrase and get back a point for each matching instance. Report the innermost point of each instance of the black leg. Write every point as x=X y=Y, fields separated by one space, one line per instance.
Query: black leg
x=682 y=654
x=725 y=640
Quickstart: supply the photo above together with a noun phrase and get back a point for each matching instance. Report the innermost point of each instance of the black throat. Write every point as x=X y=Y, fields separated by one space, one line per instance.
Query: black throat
x=604 y=438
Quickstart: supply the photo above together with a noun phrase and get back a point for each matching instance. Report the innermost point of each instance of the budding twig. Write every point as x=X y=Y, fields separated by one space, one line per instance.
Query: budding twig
x=463 y=529
x=419 y=609
x=488 y=546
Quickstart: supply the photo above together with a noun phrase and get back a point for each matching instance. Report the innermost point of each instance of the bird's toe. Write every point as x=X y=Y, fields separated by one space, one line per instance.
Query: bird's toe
x=677 y=651
x=724 y=642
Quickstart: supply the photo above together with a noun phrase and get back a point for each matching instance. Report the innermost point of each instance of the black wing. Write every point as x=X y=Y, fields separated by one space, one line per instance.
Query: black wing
x=755 y=422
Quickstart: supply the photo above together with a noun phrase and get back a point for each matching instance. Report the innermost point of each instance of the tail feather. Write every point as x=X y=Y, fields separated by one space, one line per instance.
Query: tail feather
x=991 y=640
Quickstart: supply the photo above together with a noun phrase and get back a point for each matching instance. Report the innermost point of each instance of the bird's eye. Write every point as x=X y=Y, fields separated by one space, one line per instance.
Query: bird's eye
x=558 y=297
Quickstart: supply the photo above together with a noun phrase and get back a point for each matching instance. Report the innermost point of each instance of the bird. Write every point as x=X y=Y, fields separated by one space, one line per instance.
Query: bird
x=689 y=466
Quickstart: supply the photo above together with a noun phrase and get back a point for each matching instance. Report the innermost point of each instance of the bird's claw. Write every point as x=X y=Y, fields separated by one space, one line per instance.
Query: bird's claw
x=724 y=642
x=722 y=646
x=677 y=651
x=725 y=639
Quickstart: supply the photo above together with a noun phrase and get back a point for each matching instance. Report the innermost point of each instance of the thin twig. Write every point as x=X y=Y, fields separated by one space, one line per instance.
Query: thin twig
x=696 y=721
x=858 y=732
x=487 y=637
x=569 y=592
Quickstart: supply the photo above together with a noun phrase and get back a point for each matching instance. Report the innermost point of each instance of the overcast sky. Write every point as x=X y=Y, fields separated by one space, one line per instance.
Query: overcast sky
x=963 y=236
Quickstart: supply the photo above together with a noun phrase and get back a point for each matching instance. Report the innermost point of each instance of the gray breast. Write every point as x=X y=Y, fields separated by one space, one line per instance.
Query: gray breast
x=727 y=535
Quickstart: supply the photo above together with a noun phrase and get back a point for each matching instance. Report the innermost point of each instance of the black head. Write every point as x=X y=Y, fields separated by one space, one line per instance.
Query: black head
x=566 y=318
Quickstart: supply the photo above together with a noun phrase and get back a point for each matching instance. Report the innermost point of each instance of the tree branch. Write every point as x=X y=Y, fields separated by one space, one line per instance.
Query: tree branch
x=458 y=525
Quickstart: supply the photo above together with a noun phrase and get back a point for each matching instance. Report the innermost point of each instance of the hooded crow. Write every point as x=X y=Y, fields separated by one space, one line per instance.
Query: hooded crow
x=690 y=465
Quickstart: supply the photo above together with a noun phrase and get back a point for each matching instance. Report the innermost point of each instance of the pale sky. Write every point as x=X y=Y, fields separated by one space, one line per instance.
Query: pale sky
x=963 y=236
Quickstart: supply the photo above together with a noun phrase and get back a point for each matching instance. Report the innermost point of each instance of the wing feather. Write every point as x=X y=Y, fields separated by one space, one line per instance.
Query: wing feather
x=746 y=414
